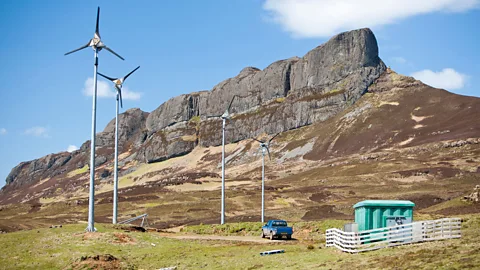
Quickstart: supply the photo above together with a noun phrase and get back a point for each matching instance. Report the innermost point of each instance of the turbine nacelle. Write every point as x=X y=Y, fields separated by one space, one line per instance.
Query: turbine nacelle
x=118 y=82
x=265 y=145
x=225 y=115
x=96 y=42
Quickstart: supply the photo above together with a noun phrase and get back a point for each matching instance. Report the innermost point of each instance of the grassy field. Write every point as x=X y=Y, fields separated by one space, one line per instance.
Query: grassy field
x=317 y=173
x=70 y=248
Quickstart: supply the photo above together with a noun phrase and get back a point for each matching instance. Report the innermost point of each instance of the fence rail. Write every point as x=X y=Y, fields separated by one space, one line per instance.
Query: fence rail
x=430 y=230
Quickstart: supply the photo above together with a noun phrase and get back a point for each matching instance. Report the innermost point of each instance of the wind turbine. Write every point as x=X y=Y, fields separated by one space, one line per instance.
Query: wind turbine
x=118 y=85
x=97 y=45
x=224 y=116
x=265 y=148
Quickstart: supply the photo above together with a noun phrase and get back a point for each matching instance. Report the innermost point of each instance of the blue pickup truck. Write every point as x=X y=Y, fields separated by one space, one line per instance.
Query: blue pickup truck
x=277 y=228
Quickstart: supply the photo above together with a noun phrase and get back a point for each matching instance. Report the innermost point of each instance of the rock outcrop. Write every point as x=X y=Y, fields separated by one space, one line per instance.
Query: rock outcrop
x=37 y=169
x=132 y=133
x=287 y=94
x=131 y=129
x=475 y=196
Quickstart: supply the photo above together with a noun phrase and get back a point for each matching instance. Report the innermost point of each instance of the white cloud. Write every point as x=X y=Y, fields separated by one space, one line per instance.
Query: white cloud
x=72 y=148
x=399 y=60
x=37 y=132
x=106 y=90
x=323 y=18
x=3 y=131
x=448 y=78
x=127 y=94
x=103 y=88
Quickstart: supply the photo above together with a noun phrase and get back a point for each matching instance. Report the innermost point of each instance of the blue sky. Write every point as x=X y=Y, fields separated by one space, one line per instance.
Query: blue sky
x=185 y=46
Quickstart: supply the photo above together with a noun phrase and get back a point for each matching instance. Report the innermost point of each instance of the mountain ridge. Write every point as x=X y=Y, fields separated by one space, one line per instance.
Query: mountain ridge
x=317 y=86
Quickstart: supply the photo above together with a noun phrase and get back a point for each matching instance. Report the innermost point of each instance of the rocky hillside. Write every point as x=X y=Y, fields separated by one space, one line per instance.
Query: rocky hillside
x=286 y=95
x=401 y=140
x=132 y=133
x=352 y=130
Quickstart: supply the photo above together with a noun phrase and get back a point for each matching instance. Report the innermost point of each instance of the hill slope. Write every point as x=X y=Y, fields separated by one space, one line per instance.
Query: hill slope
x=370 y=134
x=286 y=95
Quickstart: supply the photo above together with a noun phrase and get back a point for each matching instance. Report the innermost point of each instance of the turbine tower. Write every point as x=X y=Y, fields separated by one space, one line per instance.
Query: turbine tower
x=265 y=148
x=97 y=45
x=118 y=85
x=224 y=116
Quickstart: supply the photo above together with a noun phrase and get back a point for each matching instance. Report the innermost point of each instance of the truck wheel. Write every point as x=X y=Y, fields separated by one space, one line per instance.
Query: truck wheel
x=263 y=234
x=289 y=237
x=271 y=235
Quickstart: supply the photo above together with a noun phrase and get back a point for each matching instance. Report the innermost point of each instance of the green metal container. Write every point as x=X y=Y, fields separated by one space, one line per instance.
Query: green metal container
x=374 y=214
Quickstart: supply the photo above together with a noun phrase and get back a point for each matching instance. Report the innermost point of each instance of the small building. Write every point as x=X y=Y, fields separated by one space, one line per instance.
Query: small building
x=374 y=214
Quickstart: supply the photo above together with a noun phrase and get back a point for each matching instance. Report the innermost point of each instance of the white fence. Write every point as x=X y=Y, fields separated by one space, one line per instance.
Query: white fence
x=414 y=232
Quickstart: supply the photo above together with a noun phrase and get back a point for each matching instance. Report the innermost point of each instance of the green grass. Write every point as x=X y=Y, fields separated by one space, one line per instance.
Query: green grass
x=150 y=204
x=282 y=202
x=333 y=91
x=455 y=202
x=451 y=254
x=242 y=228
x=195 y=119
x=78 y=171
x=62 y=248
x=309 y=230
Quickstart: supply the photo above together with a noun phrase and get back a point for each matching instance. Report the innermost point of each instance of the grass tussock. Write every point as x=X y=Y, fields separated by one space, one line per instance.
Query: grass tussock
x=78 y=171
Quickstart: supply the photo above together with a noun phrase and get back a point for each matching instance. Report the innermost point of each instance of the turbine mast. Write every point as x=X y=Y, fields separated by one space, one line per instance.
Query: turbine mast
x=97 y=46
x=115 y=170
x=91 y=200
x=222 y=218
x=118 y=83
x=263 y=183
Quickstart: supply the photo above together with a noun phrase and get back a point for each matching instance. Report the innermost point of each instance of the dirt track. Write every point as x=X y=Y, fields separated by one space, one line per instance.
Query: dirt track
x=251 y=239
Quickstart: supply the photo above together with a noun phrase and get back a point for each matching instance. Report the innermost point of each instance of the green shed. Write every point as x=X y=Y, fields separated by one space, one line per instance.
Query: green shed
x=374 y=214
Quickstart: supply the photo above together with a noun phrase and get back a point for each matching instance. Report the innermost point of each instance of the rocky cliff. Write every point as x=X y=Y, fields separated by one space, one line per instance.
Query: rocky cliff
x=287 y=94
